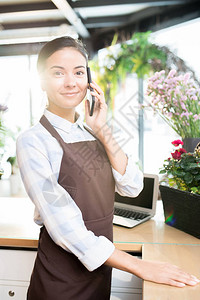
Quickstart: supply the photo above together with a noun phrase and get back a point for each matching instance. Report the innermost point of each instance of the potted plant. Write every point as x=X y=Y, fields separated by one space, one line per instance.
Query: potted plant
x=181 y=195
x=137 y=55
x=176 y=99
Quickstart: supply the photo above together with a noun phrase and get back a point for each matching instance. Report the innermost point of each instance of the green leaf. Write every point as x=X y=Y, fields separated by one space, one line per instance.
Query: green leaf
x=179 y=173
x=197 y=177
x=188 y=178
x=195 y=190
x=162 y=172
x=194 y=172
x=192 y=165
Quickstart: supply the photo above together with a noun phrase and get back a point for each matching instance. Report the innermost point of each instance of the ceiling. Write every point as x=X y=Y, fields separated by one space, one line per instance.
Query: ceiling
x=25 y=25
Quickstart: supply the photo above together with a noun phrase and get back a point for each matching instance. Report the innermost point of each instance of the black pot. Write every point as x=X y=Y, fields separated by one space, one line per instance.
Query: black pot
x=190 y=144
x=181 y=210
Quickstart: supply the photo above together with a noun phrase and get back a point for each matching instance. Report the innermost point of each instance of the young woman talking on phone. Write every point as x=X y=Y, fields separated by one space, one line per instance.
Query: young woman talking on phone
x=71 y=172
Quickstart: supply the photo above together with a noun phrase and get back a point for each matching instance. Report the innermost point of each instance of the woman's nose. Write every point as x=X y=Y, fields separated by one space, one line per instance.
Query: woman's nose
x=69 y=80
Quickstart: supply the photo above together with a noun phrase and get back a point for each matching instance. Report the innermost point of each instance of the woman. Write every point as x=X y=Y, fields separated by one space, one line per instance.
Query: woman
x=71 y=174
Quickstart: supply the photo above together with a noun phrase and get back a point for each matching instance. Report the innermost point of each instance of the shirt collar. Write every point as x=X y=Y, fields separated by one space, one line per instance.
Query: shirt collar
x=63 y=124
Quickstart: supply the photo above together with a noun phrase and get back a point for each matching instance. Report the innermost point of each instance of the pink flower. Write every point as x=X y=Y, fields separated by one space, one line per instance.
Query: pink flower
x=177 y=99
x=196 y=117
x=194 y=97
x=184 y=98
x=185 y=114
x=3 y=107
x=183 y=106
x=170 y=114
x=186 y=77
x=176 y=143
x=172 y=73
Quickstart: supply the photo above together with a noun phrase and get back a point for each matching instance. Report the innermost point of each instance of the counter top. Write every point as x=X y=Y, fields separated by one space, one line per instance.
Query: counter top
x=154 y=239
x=16 y=223
x=186 y=257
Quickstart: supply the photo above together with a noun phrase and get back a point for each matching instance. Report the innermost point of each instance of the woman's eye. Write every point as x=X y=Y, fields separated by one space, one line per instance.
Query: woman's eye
x=79 y=73
x=58 y=73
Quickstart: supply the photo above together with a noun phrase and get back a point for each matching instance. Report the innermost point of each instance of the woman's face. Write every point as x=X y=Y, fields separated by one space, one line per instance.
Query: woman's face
x=65 y=80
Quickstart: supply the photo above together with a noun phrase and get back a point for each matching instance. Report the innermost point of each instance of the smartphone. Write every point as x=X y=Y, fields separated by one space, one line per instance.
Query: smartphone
x=91 y=89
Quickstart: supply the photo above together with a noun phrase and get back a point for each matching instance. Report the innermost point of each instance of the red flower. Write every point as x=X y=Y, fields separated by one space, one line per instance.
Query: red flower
x=176 y=155
x=182 y=150
x=176 y=143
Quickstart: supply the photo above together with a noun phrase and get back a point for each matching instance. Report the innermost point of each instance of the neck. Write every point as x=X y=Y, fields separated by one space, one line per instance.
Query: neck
x=67 y=114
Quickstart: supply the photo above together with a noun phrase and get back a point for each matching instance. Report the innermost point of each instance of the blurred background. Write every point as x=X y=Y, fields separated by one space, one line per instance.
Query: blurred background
x=128 y=41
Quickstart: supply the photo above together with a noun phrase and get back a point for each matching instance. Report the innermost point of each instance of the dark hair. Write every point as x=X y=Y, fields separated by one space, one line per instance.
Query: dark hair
x=49 y=48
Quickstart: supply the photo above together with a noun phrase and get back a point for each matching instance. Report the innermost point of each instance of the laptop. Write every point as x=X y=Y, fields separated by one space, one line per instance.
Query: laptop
x=132 y=211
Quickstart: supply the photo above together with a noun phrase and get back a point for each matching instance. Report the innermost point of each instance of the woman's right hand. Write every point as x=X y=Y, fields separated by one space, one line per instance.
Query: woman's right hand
x=159 y=272
x=165 y=273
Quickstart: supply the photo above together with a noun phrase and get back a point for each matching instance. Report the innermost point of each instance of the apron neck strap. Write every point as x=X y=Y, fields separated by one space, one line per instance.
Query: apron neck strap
x=48 y=126
x=45 y=122
x=90 y=131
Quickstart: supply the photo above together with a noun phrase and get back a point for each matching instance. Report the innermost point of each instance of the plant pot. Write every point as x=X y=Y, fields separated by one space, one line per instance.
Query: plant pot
x=190 y=144
x=181 y=210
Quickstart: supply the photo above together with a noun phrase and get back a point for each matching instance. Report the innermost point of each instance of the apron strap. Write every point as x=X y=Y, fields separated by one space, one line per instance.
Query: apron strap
x=48 y=126
x=90 y=131
x=45 y=122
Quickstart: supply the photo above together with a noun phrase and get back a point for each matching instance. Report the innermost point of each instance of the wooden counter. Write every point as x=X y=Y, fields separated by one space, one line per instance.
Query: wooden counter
x=186 y=257
x=154 y=239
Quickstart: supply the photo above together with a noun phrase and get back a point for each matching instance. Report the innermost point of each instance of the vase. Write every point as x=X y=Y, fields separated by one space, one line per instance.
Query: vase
x=181 y=210
x=190 y=144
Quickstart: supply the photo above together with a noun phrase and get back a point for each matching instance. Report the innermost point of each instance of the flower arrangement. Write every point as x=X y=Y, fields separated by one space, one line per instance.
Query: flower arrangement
x=177 y=100
x=183 y=169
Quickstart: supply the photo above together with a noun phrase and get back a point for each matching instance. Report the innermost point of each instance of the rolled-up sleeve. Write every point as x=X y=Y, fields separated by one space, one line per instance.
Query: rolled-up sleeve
x=131 y=183
x=55 y=207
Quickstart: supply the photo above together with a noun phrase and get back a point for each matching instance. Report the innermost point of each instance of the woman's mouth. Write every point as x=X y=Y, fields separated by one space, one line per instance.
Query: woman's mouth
x=71 y=94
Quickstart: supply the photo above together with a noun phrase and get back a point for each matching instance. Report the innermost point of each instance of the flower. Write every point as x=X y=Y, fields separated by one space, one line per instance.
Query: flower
x=177 y=100
x=3 y=107
x=176 y=143
x=176 y=155
x=183 y=169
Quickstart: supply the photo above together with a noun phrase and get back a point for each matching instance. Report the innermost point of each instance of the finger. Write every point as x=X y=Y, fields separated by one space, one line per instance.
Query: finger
x=183 y=282
x=97 y=88
x=87 y=106
x=176 y=283
x=186 y=278
x=195 y=278
x=99 y=97
x=190 y=280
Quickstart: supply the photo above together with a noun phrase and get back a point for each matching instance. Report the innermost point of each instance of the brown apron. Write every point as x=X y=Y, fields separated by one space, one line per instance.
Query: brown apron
x=86 y=174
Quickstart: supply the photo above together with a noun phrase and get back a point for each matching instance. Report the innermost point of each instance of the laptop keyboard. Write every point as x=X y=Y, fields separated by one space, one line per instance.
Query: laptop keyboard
x=129 y=214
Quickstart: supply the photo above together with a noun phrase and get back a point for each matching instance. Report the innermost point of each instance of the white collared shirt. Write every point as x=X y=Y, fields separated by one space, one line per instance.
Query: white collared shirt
x=39 y=157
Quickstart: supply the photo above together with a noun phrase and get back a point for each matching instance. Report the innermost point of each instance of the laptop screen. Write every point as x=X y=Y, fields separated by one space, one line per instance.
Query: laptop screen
x=144 y=199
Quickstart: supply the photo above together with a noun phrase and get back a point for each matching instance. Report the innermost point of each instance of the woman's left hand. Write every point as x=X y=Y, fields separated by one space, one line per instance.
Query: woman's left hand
x=98 y=120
